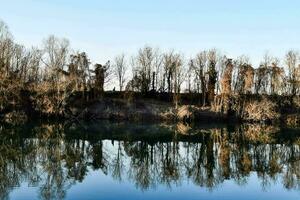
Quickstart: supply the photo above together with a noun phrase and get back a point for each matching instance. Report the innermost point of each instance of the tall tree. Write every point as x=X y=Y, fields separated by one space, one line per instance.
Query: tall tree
x=199 y=64
x=119 y=69
x=55 y=58
x=144 y=67
x=227 y=78
x=212 y=74
x=291 y=59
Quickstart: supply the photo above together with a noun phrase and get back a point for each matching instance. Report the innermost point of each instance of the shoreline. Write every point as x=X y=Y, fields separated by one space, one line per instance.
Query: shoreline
x=156 y=110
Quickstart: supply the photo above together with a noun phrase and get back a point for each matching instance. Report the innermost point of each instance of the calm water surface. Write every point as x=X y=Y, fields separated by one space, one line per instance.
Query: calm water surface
x=106 y=160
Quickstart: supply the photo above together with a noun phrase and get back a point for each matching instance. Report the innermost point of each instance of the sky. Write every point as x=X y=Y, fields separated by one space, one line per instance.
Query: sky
x=105 y=29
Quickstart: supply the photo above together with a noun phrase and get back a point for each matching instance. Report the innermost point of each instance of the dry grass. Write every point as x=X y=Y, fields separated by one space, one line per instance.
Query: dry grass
x=263 y=110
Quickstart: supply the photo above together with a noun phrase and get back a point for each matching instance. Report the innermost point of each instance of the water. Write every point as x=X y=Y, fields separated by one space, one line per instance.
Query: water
x=105 y=160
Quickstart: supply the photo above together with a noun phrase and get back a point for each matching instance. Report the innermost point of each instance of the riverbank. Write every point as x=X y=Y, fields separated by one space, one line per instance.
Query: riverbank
x=111 y=106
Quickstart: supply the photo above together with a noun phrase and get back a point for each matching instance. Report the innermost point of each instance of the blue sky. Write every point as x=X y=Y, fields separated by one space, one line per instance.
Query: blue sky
x=106 y=28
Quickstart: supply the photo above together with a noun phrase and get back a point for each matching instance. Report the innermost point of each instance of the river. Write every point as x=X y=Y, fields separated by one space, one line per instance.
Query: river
x=114 y=160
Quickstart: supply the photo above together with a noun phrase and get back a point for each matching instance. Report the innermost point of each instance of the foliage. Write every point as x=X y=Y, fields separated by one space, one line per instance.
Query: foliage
x=263 y=110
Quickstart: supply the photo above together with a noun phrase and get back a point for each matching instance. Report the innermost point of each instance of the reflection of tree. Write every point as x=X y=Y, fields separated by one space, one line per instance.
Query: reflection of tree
x=46 y=157
x=291 y=177
x=118 y=163
x=52 y=159
x=99 y=158
x=170 y=163
x=139 y=164
x=76 y=159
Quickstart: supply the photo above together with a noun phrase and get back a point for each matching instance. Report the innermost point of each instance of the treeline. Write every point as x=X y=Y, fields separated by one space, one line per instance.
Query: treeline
x=56 y=71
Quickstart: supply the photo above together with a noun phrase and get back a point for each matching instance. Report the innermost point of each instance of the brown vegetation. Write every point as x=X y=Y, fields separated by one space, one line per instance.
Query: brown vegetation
x=45 y=81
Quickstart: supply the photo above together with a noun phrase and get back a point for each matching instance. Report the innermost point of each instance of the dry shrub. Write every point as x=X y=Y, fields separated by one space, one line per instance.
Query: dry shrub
x=47 y=100
x=9 y=93
x=263 y=110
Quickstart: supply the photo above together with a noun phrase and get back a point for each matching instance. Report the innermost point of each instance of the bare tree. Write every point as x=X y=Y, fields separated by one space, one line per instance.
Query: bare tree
x=6 y=49
x=174 y=73
x=34 y=65
x=262 y=75
x=243 y=76
x=179 y=76
x=291 y=59
x=168 y=71
x=119 y=69
x=55 y=57
x=199 y=66
x=144 y=63
x=55 y=54
x=158 y=74
x=189 y=76
x=276 y=77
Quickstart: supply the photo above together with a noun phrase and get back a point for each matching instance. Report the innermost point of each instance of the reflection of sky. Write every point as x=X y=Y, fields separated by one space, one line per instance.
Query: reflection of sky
x=97 y=185
x=105 y=28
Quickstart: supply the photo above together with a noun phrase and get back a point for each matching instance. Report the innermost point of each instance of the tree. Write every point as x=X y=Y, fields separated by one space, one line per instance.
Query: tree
x=276 y=77
x=291 y=59
x=198 y=65
x=6 y=49
x=262 y=75
x=227 y=77
x=157 y=63
x=56 y=53
x=34 y=65
x=212 y=74
x=179 y=76
x=102 y=72
x=79 y=71
x=144 y=67
x=55 y=57
x=120 y=68
x=168 y=70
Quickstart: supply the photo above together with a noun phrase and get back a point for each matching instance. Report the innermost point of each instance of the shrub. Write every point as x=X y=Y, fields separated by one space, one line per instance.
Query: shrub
x=263 y=110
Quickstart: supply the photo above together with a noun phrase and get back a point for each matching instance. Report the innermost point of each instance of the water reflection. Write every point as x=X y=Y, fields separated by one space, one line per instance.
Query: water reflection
x=53 y=156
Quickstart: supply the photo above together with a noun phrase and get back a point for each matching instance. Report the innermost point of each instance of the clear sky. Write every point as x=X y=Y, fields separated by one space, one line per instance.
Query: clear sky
x=106 y=28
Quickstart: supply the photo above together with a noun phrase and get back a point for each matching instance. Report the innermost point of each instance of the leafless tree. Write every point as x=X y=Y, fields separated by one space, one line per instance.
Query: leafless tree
x=179 y=76
x=243 y=76
x=291 y=60
x=168 y=70
x=34 y=65
x=55 y=59
x=144 y=63
x=6 y=49
x=55 y=54
x=158 y=60
x=120 y=69
x=199 y=66
x=276 y=77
